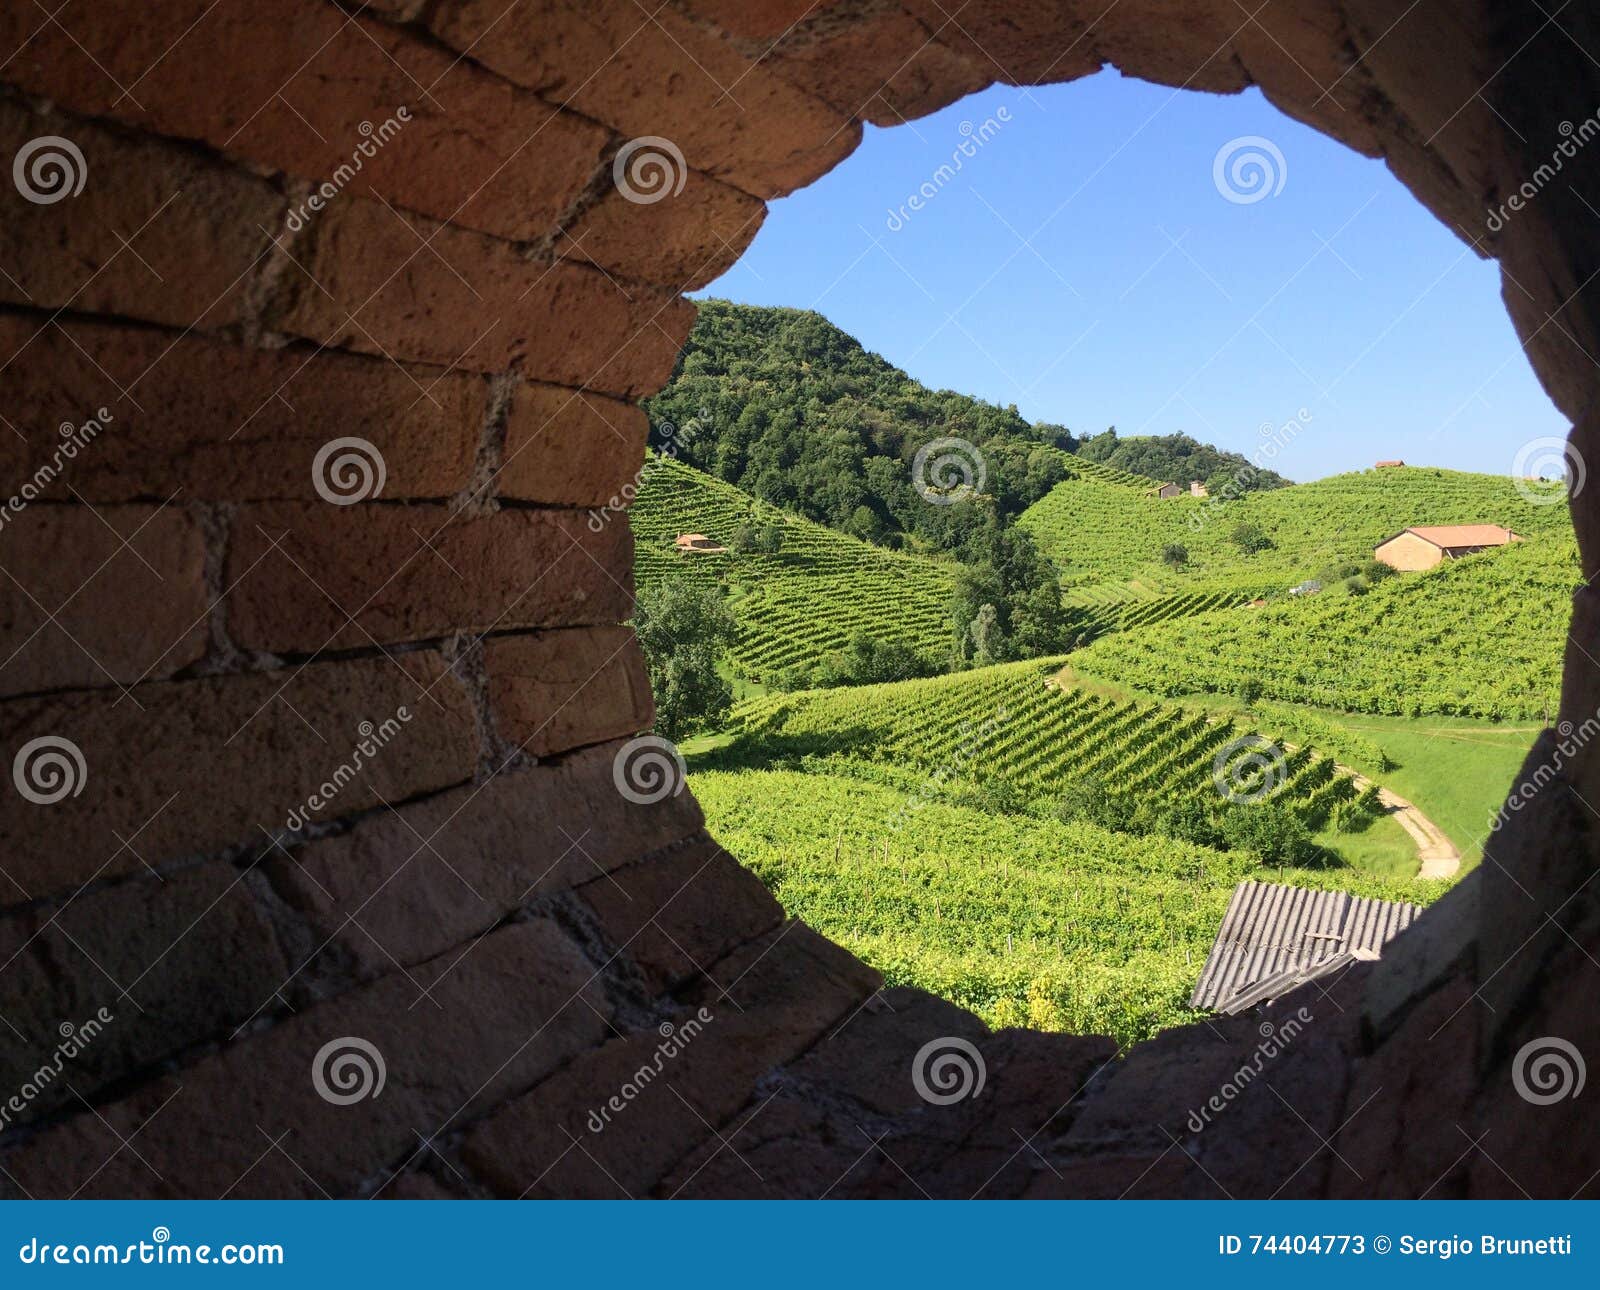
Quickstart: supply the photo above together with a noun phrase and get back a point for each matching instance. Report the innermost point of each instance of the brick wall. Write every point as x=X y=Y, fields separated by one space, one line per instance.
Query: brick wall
x=321 y=330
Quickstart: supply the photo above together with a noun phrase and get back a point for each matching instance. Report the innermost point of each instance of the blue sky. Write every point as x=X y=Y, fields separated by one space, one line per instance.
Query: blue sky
x=1084 y=265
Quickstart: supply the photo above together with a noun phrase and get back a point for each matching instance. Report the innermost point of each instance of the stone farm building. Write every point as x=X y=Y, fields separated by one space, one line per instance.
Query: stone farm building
x=1424 y=546
x=1165 y=490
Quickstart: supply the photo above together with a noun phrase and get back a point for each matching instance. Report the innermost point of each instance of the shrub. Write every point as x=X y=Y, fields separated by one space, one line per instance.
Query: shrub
x=1174 y=555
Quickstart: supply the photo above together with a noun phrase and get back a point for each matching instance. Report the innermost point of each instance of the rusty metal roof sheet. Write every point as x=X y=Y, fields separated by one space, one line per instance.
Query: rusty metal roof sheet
x=1275 y=937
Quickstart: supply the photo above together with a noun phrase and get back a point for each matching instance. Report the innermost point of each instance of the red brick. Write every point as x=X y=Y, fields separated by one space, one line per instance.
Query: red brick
x=80 y=608
x=570 y=448
x=197 y=232
x=222 y=422
x=310 y=576
x=367 y=282
x=683 y=242
x=182 y=768
x=659 y=74
x=315 y=87
x=676 y=913
x=527 y=1148
x=456 y=1036
x=758 y=18
x=194 y=954
x=886 y=68
x=1020 y=42
x=556 y=690
x=423 y=878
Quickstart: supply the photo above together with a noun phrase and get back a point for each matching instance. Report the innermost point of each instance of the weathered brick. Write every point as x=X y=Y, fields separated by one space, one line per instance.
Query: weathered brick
x=310 y=576
x=174 y=963
x=179 y=768
x=678 y=912
x=222 y=422
x=663 y=75
x=556 y=690
x=569 y=448
x=757 y=18
x=99 y=596
x=670 y=1101
x=367 y=282
x=157 y=233
x=682 y=242
x=455 y=1036
x=1020 y=42
x=423 y=878
x=319 y=97
x=885 y=68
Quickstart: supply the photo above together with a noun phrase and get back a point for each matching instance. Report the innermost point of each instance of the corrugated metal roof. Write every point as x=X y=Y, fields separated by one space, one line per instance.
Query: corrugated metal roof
x=1278 y=936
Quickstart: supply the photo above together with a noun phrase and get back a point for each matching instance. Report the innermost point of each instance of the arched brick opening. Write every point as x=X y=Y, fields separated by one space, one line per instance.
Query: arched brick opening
x=346 y=770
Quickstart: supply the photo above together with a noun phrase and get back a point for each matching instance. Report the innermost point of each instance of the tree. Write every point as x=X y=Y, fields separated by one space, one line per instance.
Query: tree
x=1175 y=555
x=685 y=632
x=986 y=635
x=1250 y=537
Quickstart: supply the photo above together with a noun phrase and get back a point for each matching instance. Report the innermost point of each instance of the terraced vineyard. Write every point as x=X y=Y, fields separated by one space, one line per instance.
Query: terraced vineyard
x=1097 y=533
x=1481 y=637
x=1127 y=614
x=799 y=603
x=1007 y=722
x=1024 y=921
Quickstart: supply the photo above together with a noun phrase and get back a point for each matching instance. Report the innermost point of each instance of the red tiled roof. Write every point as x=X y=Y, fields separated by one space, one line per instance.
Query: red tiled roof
x=1455 y=535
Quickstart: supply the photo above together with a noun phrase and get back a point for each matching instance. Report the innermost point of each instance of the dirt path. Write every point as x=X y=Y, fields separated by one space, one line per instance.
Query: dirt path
x=1436 y=854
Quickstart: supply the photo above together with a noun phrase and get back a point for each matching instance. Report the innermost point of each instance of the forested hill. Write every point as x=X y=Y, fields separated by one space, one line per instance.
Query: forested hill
x=787 y=407
x=1179 y=459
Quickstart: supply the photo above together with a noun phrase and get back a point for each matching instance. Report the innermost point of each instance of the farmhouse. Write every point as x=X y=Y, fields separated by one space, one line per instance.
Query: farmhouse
x=1165 y=490
x=1387 y=465
x=1424 y=546
x=697 y=544
x=1197 y=489
x=1276 y=937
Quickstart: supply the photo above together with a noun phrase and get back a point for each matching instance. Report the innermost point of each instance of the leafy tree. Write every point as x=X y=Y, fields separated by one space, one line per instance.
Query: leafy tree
x=1250 y=537
x=685 y=632
x=1175 y=555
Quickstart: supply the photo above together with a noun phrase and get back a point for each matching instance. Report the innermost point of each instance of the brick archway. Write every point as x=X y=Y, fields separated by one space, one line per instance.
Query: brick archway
x=334 y=761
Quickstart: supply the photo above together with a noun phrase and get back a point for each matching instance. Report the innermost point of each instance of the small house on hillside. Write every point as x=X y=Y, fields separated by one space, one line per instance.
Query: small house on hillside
x=1197 y=489
x=696 y=544
x=1166 y=490
x=1426 y=545
x=1276 y=937
x=1387 y=465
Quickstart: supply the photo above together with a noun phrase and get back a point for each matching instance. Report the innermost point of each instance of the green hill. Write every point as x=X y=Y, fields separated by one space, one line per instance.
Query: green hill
x=799 y=603
x=1096 y=534
x=1482 y=637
